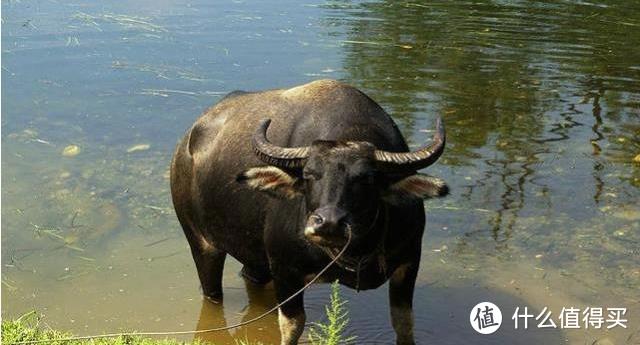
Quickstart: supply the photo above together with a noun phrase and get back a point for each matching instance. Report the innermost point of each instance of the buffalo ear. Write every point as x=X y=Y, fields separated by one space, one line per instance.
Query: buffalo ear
x=272 y=180
x=414 y=187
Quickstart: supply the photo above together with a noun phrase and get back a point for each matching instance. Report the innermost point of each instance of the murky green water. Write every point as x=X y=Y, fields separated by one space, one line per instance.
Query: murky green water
x=541 y=101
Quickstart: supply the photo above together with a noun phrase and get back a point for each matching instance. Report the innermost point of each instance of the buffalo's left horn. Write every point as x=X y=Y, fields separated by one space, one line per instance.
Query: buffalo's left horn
x=411 y=161
x=283 y=157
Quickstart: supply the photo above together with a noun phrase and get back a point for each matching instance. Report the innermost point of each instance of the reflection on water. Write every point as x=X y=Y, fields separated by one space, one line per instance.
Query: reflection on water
x=259 y=300
x=541 y=101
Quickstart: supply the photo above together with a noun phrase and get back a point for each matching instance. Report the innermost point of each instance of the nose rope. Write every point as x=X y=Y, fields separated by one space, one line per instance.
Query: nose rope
x=355 y=265
x=375 y=219
x=368 y=257
x=217 y=329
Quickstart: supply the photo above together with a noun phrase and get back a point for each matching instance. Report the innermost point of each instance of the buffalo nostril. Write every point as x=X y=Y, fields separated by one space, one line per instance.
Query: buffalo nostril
x=309 y=231
x=315 y=222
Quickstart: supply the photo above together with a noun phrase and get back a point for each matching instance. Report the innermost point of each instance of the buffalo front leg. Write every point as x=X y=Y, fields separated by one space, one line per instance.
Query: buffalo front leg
x=291 y=316
x=401 y=288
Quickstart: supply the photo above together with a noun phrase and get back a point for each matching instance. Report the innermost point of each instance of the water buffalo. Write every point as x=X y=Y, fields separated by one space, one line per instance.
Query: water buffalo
x=278 y=178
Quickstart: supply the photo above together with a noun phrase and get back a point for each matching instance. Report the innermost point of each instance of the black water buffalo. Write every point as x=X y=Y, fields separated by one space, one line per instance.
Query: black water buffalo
x=278 y=178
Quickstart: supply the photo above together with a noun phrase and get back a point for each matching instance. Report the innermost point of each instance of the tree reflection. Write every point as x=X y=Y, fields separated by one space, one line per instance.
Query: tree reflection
x=511 y=80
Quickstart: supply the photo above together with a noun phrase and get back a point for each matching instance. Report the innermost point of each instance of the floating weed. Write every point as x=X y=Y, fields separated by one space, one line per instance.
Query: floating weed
x=403 y=46
x=134 y=22
x=79 y=271
x=161 y=71
x=71 y=151
x=87 y=19
x=85 y=258
x=52 y=232
x=138 y=147
x=158 y=241
x=162 y=210
x=130 y=22
x=165 y=256
x=72 y=275
x=72 y=247
x=67 y=241
x=72 y=41
x=167 y=93
x=9 y=284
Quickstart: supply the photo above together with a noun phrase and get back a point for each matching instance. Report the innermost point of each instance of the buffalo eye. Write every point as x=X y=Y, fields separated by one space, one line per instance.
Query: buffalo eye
x=311 y=175
x=367 y=178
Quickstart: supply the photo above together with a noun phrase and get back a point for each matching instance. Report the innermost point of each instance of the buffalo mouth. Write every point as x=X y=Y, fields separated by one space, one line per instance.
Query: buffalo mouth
x=329 y=241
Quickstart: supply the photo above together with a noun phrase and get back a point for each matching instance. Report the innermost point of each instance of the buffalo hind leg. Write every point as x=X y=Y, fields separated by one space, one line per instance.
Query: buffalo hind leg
x=209 y=261
x=210 y=265
x=401 y=288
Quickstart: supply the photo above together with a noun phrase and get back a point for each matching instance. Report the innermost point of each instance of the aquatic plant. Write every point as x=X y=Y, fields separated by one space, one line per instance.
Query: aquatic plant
x=332 y=332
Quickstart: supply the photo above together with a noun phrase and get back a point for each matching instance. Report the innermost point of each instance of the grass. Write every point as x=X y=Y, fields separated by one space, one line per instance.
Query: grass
x=29 y=328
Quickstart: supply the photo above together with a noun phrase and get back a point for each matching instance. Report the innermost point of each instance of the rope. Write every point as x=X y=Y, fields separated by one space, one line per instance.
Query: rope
x=243 y=323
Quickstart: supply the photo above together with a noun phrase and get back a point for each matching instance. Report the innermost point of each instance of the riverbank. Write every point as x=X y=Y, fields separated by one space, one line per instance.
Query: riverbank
x=30 y=327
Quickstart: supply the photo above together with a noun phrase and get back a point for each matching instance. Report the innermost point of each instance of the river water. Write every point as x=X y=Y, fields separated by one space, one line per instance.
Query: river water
x=542 y=105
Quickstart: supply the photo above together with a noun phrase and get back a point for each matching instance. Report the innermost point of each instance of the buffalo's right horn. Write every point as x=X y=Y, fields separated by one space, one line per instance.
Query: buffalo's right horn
x=283 y=157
